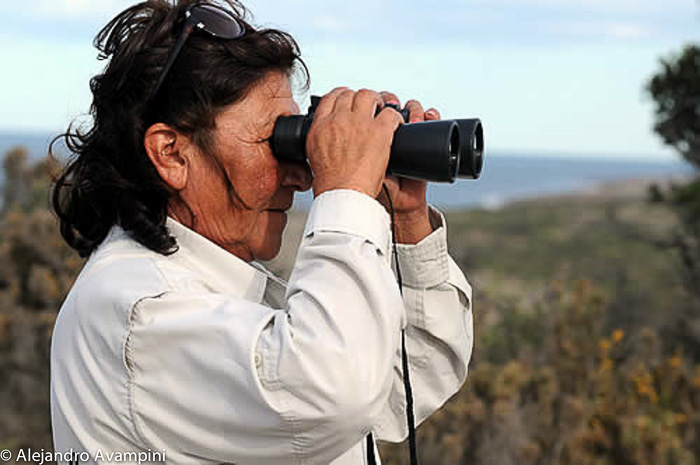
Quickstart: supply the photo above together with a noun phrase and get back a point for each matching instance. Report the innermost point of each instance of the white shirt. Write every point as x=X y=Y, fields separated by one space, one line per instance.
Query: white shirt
x=209 y=359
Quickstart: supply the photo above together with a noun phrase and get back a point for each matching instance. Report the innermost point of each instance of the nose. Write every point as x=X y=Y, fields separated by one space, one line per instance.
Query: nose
x=296 y=175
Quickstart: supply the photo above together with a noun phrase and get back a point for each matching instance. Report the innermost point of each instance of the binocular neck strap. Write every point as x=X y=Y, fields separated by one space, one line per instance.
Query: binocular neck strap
x=410 y=416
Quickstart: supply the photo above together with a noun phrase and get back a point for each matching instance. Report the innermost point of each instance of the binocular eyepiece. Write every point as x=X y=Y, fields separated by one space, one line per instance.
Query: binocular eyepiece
x=438 y=151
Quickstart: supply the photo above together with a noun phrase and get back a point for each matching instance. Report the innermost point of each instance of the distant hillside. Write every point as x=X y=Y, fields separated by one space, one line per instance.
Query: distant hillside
x=37 y=144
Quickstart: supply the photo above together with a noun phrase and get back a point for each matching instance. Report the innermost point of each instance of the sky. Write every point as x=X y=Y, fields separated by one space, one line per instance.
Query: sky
x=546 y=77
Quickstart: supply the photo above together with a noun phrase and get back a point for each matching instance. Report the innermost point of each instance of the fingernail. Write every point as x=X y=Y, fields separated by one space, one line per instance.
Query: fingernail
x=392 y=102
x=430 y=112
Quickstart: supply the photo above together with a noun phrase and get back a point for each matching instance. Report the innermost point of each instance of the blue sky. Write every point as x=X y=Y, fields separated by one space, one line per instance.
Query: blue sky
x=545 y=76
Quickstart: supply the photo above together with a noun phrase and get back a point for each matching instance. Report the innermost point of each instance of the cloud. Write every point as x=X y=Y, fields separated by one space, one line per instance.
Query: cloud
x=72 y=9
x=83 y=8
x=327 y=23
x=615 y=30
x=599 y=6
x=482 y=21
x=625 y=31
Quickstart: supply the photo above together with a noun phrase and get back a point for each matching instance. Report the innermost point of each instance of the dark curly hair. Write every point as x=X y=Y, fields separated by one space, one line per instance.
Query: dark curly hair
x=110 y=180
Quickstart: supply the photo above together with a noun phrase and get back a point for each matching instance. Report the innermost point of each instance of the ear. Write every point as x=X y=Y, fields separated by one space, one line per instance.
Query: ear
x=166 y=148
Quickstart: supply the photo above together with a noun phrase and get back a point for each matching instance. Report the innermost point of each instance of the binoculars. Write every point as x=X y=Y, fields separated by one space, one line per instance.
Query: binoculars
x=438 y=151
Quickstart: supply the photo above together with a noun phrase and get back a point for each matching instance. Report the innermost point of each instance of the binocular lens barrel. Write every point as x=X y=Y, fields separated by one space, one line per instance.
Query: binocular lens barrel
x=471 y=154
x=428 y=150
x=438 y=151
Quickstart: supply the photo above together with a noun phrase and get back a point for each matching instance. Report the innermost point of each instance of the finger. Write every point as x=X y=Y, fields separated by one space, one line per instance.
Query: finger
x=415 y=111
x=432 y=115
x=344 y=101
x=390 y=119
x=366 y=102
x=327 y=102
x=390 y=97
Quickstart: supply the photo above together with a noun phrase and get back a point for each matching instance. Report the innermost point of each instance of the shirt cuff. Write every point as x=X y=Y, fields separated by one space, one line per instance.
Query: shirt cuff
x=425 y=264
x=351 y=212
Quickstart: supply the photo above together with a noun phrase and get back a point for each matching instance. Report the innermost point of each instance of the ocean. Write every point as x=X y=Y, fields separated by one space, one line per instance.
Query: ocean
x=505 y=176
x=509 y=176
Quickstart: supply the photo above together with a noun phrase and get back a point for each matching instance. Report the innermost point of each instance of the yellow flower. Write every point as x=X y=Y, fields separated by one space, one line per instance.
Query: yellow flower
x=604 y=345
x=618 y=335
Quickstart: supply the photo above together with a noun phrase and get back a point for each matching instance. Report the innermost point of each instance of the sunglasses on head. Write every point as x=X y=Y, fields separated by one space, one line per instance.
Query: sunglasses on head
x=206 y=17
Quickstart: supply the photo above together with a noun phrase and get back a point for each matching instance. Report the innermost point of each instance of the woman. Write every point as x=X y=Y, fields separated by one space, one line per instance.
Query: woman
x=173 y=339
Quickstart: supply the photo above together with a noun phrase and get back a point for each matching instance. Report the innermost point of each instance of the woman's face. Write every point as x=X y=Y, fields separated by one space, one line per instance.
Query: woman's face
x=239 y=196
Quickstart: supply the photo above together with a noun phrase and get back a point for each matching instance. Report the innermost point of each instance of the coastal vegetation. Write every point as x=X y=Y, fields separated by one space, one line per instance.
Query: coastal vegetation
x=585 y=351
x=36 y=271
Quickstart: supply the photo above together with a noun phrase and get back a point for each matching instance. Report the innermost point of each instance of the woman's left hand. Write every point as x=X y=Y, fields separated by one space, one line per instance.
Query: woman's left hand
x=408 y=195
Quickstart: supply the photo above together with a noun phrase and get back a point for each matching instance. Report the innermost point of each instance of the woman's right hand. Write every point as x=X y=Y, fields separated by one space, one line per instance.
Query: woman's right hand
x=347 y=146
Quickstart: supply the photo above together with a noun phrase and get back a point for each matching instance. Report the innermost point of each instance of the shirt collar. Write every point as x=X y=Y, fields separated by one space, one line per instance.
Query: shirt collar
x=226 y=272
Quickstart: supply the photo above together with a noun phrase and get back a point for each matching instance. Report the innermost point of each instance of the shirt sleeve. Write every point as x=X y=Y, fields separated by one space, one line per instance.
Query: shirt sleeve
x=237 y=381
x=439 y=336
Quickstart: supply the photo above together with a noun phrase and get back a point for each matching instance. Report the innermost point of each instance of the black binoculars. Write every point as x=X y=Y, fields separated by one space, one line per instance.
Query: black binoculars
x=438 y=151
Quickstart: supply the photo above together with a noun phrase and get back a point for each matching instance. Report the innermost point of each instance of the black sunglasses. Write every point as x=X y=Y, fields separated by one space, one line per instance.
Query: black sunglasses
x=212 y=19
